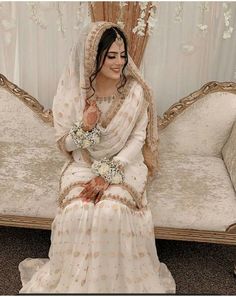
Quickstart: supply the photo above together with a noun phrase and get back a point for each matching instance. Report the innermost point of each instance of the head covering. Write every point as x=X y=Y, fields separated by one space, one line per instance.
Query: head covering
x=73 y=88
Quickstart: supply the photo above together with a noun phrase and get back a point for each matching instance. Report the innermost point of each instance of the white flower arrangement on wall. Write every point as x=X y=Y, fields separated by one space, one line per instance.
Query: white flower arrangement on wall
x=35 y=14
x=141 y=25
x=120 y=21
x=140 y=28
x=152 y=19
x=37 y=8
x=204 y=8
x=227 y=16
x=178 y=17
x=60 y=26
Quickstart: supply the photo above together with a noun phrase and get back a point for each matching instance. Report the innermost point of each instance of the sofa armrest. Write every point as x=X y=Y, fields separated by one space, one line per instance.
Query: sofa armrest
x=229 y=155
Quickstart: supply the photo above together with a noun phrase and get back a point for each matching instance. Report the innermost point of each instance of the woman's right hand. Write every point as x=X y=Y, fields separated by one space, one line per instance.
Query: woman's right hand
x=91 y=115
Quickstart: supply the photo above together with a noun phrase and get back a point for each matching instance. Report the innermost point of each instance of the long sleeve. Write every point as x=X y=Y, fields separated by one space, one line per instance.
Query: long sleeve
x=69 y=144
x=135 y=141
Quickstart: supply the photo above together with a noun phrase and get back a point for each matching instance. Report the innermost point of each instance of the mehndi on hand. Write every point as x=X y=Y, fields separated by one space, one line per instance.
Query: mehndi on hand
x=91 y=115
x=94 y=189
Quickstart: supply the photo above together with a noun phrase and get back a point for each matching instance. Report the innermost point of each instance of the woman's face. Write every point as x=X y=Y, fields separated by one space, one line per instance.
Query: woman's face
x=114 y=61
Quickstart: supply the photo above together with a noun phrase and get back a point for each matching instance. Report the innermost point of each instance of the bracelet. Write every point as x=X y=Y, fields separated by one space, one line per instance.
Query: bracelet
x=110 y=170
x=84 y=139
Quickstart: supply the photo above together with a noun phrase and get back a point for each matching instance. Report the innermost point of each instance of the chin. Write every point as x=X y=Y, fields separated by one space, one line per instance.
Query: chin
x=115 y=76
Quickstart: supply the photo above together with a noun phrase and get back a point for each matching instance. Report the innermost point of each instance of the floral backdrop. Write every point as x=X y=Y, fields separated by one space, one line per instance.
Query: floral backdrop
x=189 y=44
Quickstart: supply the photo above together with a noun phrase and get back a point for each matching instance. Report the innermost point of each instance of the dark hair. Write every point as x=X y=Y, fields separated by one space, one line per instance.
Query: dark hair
x=108 y=37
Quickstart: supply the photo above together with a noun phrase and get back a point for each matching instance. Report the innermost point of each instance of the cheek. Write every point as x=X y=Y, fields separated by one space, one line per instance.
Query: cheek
x=106 y=66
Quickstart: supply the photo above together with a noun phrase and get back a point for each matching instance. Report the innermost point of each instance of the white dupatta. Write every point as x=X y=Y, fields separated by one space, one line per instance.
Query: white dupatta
x=72 y=92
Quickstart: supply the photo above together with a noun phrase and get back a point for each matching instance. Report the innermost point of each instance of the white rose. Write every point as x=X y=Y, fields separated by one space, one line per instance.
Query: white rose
x=104 y=169
x=97 y=139
x=79 y=133
x=117 y=179
x=86 y=143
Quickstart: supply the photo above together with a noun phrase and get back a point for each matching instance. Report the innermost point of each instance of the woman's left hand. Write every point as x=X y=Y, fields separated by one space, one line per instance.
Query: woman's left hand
x=93 y=189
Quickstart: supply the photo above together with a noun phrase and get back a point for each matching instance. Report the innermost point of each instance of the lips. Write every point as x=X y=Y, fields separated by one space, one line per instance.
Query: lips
x=115 y=69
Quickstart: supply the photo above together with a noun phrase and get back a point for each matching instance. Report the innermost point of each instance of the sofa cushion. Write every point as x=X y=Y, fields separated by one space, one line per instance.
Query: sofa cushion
x=202 y=128
x=229 y=155
x=192 y=192
x=30 y=161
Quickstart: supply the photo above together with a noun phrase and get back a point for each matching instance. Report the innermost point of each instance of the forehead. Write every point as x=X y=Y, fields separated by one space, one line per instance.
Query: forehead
x=117 y=48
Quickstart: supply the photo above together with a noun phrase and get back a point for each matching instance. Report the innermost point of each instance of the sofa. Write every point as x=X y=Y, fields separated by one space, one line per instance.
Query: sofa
x=192 y=196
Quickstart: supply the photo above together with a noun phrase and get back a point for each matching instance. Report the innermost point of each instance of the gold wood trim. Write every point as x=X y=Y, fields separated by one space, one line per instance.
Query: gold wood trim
x=195 y=235
x=160 y=232
x=28 y=100
x=231 y=229
x=25 y=222
x=179 y=107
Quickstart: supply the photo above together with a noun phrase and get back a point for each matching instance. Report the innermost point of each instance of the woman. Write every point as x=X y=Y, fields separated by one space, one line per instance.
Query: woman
x=102 y=236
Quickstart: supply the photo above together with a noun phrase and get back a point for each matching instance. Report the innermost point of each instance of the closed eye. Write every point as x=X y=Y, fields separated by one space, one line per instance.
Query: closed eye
x=113 y=57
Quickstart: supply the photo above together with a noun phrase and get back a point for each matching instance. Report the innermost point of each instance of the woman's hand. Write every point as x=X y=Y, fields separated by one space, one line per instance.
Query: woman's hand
x=94 y=189
x=91 y=115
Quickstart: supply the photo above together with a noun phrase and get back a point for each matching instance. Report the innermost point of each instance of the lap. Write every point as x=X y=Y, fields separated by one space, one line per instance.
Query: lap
x=131 y=193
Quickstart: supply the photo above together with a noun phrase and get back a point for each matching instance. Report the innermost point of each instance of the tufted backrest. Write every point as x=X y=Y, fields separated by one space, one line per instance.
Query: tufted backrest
x=202 y=128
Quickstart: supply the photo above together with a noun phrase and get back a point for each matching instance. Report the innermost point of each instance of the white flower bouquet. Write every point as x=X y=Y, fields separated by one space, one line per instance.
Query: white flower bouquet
x=110 y=170
x=84 y=139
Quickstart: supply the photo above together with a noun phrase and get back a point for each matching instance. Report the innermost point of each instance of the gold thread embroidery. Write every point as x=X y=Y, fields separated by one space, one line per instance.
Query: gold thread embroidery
x=67 y=190
x=123 y=200
x=116 y=106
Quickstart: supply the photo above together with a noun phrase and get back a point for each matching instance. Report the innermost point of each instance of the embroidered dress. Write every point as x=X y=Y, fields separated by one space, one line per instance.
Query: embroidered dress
x=107 y=247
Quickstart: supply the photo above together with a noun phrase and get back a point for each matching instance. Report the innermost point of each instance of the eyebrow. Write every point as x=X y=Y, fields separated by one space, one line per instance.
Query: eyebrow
x=115 y=52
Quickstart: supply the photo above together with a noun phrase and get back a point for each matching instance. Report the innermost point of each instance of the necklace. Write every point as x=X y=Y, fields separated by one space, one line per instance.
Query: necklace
x=105 y=98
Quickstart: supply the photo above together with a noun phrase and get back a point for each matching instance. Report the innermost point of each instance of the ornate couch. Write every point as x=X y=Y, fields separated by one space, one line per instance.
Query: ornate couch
x=193 y=195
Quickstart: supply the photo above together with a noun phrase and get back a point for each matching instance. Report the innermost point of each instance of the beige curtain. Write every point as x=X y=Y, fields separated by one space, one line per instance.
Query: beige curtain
x=129 y=14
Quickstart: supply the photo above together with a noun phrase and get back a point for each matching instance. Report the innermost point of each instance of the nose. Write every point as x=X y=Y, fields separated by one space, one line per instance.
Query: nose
x=119 y=61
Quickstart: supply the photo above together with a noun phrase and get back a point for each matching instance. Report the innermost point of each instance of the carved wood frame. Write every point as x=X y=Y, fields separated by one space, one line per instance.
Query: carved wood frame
x=227 y=237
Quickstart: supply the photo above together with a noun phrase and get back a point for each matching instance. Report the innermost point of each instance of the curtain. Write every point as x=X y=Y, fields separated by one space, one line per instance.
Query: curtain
x=179 y=57
x=128 y=14
x=42 y=35
x=8 y=41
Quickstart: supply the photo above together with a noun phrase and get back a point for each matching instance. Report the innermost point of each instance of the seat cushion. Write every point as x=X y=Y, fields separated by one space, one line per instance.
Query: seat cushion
x=192 y=191
x=229 y=155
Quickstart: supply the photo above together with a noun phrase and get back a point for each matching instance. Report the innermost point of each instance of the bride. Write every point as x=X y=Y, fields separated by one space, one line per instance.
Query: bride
x=102 y=236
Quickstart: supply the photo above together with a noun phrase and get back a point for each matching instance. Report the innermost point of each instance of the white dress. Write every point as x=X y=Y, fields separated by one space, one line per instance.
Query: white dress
x=108 y=247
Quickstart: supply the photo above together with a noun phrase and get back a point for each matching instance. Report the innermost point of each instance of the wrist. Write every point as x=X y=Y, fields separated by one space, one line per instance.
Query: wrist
x=82 y=138
x=87 y=128
x=110 y=170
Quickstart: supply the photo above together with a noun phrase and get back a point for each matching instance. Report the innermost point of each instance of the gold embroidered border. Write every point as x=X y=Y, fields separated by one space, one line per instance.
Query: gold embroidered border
x=123 y=201
x=116 y=104
x=126 y=202
x=135 y=194
x=63 y=204
x=67 y=190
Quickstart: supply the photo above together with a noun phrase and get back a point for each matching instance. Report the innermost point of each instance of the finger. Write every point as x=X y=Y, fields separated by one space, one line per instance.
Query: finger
x=86 y=183
x=89 y=196
x=99 y=196
x=92 y=194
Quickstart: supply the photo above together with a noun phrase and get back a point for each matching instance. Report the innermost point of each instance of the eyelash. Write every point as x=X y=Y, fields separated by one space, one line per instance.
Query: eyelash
x=115 y=57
